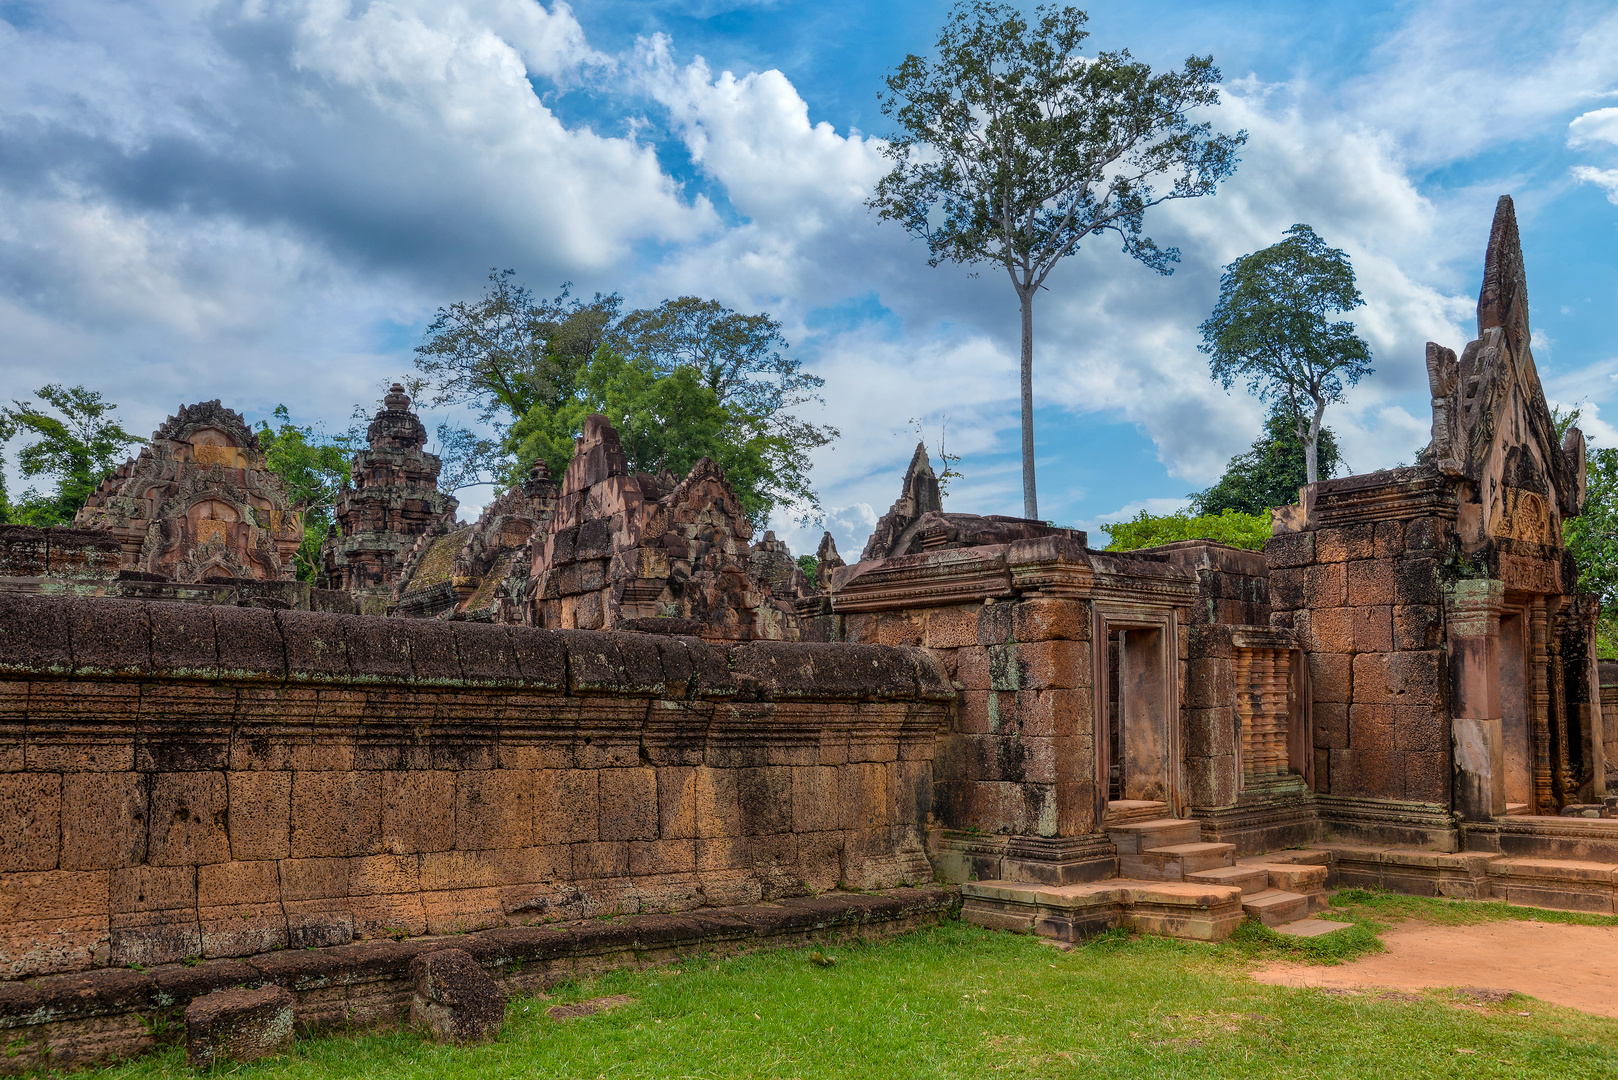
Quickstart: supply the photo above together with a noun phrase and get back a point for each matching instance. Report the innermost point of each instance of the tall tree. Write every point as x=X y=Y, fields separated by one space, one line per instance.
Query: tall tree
x=1592 y=537
x=665 y=421
x=1273 y=327
x=78 y=447
x=1269 y=474
x=1011 y=149
x=313 y=467
x=741 y=358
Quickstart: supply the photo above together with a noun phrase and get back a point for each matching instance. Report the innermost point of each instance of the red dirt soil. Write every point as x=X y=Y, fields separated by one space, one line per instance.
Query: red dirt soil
x=1562 y=964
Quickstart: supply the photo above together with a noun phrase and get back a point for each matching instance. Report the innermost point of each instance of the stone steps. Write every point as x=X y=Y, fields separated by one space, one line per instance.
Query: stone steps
x=1249 y=879
x=1074 y=912
x=1132 y=838
x=1176 y=862
x=1589 y=885
x=1272 y=907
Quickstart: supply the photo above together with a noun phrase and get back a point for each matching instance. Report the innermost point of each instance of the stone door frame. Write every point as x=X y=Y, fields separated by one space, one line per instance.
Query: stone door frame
x=1106 y=618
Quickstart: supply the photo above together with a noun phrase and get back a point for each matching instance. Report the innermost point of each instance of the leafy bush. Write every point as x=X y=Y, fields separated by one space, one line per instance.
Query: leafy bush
x=1231 y=527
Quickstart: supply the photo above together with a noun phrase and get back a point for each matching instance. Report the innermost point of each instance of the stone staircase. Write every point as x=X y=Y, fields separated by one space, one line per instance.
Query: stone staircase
x=1169 y=882
x=1277 y=888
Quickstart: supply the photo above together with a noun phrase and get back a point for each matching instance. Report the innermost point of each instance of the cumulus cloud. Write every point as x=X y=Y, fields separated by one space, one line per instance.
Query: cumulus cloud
x=1601 y=125
x=265 y=200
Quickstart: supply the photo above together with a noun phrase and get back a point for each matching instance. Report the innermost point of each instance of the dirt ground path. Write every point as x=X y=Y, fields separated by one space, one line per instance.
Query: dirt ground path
x=1567 y=965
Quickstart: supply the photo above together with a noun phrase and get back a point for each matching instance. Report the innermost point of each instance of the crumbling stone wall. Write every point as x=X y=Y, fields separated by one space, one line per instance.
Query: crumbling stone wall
x=180 y=780
x=1365 y=598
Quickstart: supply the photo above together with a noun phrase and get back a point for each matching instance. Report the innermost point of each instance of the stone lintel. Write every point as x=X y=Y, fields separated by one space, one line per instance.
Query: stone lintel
x=1388 y=495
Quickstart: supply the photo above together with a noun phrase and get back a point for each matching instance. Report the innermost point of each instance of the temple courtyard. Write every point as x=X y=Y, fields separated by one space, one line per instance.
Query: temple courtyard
x=957 y=1000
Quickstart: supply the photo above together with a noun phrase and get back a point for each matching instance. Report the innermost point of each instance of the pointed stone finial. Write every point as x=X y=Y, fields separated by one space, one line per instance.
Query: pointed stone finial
x=1503 y=298
x=397 y=400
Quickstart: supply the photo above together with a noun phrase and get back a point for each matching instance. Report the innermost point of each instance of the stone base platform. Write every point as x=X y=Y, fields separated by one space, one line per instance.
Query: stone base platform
x=1562 y=884
x=962 y=857
x=1075 y=912
x=68 y=1021
x=1533 y=836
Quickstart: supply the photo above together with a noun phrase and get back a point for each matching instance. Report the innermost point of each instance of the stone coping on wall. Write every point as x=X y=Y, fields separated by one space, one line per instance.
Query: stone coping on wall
x=101 y=638
x=75 y=1020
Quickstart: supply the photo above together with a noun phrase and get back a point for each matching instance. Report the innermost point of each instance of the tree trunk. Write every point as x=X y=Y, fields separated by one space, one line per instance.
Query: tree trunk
x=1311 y=445
x=1030 y=501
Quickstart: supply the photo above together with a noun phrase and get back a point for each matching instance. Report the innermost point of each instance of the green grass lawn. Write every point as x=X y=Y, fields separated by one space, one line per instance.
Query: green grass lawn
x=958 y=1001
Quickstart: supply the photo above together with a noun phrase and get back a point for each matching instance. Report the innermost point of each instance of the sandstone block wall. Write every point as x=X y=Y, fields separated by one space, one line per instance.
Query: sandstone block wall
x=1020 y=759
x=1366 y=603
x=180 y=780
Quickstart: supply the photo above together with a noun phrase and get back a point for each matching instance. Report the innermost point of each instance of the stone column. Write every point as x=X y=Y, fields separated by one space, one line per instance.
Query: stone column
x=1473 y=625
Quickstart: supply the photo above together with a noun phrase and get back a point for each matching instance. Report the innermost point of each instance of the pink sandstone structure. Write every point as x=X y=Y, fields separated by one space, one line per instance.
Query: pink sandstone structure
x=604 y=698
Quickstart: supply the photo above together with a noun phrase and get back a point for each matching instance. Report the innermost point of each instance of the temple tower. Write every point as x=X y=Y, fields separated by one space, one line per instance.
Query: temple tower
x=394 y=498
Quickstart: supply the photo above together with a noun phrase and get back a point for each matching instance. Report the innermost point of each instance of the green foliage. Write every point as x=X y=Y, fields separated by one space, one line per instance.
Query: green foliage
x=78 y=446
x=313 y=467
x=810 y=566
x=1272 y=328
x=962 y=1002
x=665 y=421
x=1231 y=527
x=528 y=363
x=1269 y=474
x=1010 y=150
x=1592 y=537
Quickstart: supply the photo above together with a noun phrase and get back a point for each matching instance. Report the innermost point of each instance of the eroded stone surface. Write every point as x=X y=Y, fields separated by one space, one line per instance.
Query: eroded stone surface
x=238 y=1025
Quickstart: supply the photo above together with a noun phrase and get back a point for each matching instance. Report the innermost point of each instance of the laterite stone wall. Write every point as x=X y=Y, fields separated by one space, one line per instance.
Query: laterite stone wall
x=188 y=781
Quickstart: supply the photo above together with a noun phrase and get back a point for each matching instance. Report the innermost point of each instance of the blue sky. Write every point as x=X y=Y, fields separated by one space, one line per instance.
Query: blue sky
x=265 y=202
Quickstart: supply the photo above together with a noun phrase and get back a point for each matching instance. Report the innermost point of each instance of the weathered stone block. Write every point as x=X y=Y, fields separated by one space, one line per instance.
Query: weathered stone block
x=995 y=624
x=972 y=667
x=189 y=814
x=1428 y=534
x=260 y=814
x=105 y=825
x=1049 y=713
x=815 y=791
x=566 y=805
x=1370 y=582
x=764 y=799
x=649 y=857
x=333 y=813
x=238 y=1025
x=1331 y=677
x=1209 y=642
x=1403 y=678
x=494 y=808
x=1051 y=665
x=1331 y=546
x=1289 y=551
x=952 y=628
x=1210 y=781
x=1427 y=777
x=718 y=813
x=1042 y=619
x=1331 y=725
x=1378 y=774
x=1287 y=588
x=1209 y=684
x=1417 y=581
x=1373 y=628
x=1390 y=540
x=1325 y=586
x=1417 y=626
x=629 y=809
x=418 y=810
x=1209 y=732
x=1421 y=728
x=455 y=1000
x=30 y=805
x=1370 y=727
x=1329 y=630
x=676 y=803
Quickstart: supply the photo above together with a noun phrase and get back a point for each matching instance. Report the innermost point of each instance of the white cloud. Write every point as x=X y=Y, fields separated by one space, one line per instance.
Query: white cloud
x=1600 y=125
x=1605 y=179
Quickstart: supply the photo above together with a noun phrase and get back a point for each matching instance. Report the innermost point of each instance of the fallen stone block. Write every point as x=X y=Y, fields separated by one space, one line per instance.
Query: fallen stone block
x=591 y=1007
x=238 y=1025
x=455 y=1001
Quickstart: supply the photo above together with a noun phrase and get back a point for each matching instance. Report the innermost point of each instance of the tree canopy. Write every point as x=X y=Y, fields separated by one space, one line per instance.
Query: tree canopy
x=1232 y=527
x=1273 y=329
x=665 y=421
x=313 y=467
x=529 y=367
x=1269 y=474
x=1011 y=149
x=77 y=447
x=1592 y=537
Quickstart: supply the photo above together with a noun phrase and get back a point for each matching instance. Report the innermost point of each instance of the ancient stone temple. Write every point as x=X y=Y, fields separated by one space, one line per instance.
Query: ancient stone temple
x=198 y=503
x=1453 y=677
x=478 y=571
x=393 y=498
x=652 y=552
